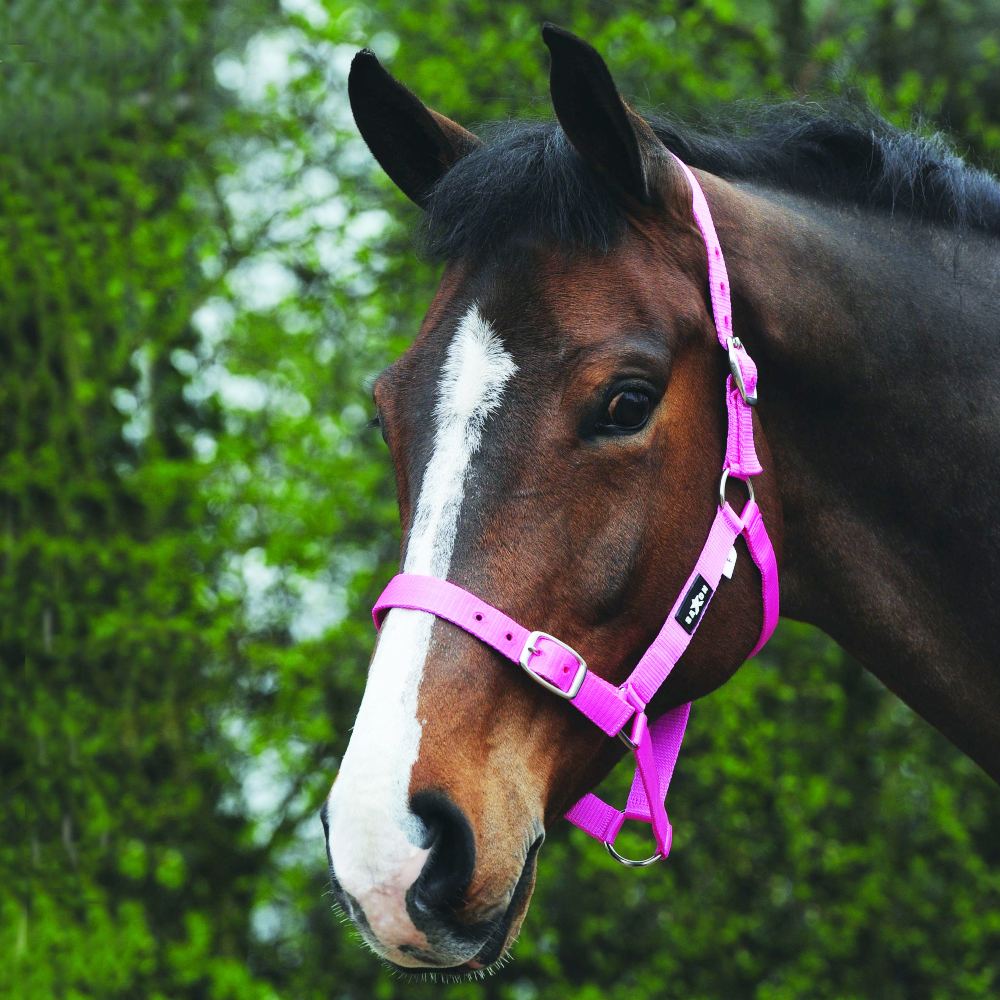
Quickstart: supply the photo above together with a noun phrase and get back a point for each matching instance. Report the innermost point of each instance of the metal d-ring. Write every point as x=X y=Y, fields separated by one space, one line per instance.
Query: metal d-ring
x=628 y=862
x=722 y=487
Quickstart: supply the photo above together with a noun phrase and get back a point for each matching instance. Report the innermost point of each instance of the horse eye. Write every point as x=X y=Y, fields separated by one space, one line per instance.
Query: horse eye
x=628 y=410
x=377 y=422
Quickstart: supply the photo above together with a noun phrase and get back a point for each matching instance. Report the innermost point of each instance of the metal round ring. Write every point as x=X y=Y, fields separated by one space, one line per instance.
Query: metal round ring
x=628 y=862
x=722 y=487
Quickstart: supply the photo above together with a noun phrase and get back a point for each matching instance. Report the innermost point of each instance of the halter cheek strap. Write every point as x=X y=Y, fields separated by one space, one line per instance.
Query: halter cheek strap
x=621 y=710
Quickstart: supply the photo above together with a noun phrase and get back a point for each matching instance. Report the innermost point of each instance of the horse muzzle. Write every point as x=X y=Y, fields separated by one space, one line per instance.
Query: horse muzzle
x=411 y=893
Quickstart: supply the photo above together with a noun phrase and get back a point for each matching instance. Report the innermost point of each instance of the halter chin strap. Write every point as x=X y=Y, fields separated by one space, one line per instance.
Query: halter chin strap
x=621 y=710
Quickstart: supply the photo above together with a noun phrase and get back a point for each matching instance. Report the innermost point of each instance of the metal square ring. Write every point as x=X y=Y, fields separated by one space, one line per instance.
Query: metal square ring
x=581 y=670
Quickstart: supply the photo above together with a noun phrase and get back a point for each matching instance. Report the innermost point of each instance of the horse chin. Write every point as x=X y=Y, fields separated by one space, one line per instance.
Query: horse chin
x=505 y=934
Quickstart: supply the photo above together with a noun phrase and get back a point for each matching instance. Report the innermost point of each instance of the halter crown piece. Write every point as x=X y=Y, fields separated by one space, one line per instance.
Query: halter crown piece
x=562 y=670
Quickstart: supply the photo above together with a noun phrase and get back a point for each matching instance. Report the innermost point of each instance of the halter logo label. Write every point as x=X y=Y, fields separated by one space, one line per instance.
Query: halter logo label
x=694 y=604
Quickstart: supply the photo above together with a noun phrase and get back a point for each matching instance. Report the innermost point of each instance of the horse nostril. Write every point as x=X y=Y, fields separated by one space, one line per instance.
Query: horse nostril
x=446 y=875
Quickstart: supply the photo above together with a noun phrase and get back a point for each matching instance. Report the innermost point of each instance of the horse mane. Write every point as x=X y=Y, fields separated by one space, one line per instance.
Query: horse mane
x=526 y=181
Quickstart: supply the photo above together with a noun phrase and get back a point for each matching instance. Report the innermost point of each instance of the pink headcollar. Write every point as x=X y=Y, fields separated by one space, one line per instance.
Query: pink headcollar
x=562 y=670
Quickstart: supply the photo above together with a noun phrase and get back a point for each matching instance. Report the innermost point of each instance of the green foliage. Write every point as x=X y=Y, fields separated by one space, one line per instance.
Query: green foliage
x=200 y=270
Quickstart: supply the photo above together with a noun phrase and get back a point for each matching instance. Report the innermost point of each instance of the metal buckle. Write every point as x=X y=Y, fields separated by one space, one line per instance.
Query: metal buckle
x=722 y=487
x=525 y=661
x=733 y=346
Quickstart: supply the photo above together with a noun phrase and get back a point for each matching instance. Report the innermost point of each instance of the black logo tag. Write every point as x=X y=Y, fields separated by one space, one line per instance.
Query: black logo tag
x=694 y=604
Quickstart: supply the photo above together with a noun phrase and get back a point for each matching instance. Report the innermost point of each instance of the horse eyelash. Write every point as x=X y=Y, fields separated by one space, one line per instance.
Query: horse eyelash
x=376 y=424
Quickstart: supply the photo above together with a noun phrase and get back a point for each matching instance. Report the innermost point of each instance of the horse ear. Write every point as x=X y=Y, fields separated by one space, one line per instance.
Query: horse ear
x=604 y=130
x=415 y=145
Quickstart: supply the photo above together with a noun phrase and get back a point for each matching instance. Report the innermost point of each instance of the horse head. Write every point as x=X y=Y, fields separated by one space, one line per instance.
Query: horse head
x=557 y=429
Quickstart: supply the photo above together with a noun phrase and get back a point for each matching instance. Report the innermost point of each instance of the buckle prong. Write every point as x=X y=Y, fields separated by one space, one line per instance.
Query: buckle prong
x=530 y=650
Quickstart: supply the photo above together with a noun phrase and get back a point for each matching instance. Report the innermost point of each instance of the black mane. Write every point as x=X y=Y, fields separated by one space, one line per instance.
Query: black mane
x=528 y=182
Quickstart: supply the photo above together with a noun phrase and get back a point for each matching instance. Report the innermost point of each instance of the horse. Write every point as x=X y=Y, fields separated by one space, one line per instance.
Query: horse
x=557 y=428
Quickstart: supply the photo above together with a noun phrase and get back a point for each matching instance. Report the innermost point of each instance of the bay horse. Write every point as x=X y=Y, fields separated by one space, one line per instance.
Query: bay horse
x=557 y=429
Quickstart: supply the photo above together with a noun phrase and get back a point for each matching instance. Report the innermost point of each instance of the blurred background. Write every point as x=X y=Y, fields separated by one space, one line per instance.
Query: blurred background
x=201 y=270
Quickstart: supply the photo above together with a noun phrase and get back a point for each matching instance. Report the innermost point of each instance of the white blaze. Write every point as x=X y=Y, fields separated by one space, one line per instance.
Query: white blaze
x=374 y=838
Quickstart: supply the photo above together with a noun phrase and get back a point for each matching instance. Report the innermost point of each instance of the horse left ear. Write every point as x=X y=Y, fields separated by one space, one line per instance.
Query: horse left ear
x=604 y=130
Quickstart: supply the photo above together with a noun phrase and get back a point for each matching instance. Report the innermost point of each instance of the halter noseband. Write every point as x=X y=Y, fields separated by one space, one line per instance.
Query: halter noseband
x=562 y=670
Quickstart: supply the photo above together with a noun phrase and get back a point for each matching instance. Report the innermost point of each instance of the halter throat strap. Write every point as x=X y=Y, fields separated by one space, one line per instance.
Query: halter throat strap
x=620 y=710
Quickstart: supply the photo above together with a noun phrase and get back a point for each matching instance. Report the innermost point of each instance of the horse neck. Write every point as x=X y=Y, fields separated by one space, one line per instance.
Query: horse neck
x=877 y=346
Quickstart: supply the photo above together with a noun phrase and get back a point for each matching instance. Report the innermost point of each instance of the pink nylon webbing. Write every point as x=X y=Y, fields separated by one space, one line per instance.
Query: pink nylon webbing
x=741 y=457
x=563 y=671
x=602 y=703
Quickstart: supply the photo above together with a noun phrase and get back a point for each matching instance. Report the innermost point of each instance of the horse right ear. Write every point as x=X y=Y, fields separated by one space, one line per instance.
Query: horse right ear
x=415 y=145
